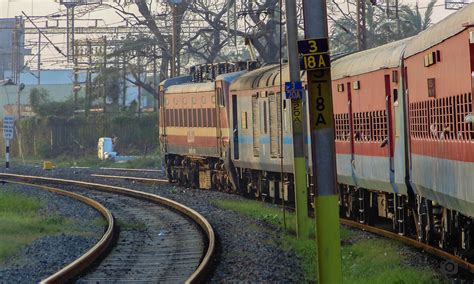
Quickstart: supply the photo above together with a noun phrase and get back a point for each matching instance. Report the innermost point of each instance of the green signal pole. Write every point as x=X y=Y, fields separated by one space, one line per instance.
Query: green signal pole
x=299 y=164
x=322 y=142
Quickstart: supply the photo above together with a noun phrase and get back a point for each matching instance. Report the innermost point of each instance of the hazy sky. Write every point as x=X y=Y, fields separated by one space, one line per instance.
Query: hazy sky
x=51 y=59
x=10 y=8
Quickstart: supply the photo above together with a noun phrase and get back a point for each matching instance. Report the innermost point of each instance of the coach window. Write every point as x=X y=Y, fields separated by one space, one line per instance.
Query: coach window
x=210 y=122
x=209 y=117
x=170 y=122
x=185 y=112
x=220 y=98
x=199 y=111
x=204 y=117
x=180 y=118
x=265 y=117
x=194 y=118
x=285 y=115
x=176 y=117
x=244 y=120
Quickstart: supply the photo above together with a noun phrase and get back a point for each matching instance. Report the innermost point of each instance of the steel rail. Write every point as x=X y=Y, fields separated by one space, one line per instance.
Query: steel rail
x=388 y=234
x=131 y=170
x=412 y=242
x=76 y=267
x=152 y=181
x=206 y=262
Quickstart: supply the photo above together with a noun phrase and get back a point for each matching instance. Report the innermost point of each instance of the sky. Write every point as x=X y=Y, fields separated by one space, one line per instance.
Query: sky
x=11 y=8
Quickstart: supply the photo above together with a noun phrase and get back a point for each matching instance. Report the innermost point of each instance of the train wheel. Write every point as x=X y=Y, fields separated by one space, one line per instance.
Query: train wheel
x=180 y=177
x=257 y=192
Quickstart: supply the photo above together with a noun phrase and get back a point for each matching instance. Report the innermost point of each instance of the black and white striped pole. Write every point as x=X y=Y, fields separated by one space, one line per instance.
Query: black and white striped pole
x=7 y=153
x=8 y=126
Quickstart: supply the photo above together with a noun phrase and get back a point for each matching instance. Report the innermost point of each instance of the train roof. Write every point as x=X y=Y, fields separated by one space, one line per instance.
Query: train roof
x=192 y=88
x=176 y=81
x=184 y=84
x=446 y=28
x=263 y=77
x=229 y=77
x=251 y=79
x=384 y=56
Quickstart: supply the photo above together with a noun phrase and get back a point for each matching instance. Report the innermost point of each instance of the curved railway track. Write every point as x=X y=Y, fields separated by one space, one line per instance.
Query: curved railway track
x=375 y=230
x=170 y=248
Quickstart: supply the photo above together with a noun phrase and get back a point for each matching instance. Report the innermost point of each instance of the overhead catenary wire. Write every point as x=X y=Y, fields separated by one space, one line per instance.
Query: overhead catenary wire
x=43 y=34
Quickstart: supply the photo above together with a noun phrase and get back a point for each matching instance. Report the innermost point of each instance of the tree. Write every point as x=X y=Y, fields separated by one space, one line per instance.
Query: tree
x=380 y=29
x=43 y=106
x=412 y=22
x=108 y=81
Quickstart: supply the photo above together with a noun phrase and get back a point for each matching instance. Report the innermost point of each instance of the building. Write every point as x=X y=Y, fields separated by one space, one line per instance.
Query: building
x=60 y=85
x=12 y=50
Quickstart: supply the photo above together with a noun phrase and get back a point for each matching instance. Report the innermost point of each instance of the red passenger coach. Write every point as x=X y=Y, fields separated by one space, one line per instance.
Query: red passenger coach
x=439 y=67
x=404 y=133
x=366 y=87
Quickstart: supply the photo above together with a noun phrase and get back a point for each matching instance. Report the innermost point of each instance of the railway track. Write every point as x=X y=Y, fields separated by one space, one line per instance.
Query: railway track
x=375 y=230
x=155 y=244
x=76 y=267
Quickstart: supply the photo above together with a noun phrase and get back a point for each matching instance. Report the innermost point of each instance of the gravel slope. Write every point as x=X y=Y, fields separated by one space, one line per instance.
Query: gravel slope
x=50 y=253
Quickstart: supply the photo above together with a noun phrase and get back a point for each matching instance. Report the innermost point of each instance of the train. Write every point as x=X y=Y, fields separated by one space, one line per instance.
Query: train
x=403 y=131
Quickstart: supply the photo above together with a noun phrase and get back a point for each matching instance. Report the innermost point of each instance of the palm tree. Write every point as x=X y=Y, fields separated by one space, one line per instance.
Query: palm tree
x=411 y=20
x=380 y=29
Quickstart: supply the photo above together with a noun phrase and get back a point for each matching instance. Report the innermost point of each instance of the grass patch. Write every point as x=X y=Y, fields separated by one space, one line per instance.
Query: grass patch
x=20 y=223
x=123 y=225
x=363 y=261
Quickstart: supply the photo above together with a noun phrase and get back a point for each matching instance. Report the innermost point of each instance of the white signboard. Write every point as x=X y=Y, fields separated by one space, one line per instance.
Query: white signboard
x=8 y=126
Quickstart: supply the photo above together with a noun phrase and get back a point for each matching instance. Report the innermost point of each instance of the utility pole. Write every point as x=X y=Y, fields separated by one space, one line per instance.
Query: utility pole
x=70 y=30
x=174 y=41
x=155 y=83
x=299 y=164
x=16 y=42
x=323 y=154
x=104 y=72
x=89 y=79
x=361 y=32
x=39 y=58
x=124 y=73
x=139 y=63
x=76 y=87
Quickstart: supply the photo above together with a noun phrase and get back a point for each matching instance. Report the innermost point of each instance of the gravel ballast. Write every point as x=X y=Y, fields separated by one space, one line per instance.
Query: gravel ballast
x=248 y=249
x=48 y=254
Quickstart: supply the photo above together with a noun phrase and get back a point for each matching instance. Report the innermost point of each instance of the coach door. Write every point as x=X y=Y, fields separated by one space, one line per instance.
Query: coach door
x=351 y=118
x=218 y=119
x=235 y=127
x=388 y=103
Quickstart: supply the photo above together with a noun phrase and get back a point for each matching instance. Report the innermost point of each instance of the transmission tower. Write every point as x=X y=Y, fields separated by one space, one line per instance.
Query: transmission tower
x=70 y=5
